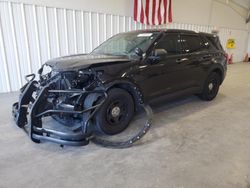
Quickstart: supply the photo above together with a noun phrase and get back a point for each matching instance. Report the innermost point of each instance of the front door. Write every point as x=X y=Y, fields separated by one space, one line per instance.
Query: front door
x=168 y=74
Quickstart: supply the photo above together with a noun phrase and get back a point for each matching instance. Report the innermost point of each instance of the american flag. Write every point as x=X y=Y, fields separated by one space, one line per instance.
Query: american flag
x=153 y=12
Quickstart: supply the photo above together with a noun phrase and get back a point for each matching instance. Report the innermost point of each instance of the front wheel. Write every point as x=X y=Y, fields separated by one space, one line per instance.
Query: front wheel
x=116 y=113
x=211 y=87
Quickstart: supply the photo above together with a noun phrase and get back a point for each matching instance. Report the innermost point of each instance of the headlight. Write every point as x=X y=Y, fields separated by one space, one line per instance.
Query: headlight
x=46 y=69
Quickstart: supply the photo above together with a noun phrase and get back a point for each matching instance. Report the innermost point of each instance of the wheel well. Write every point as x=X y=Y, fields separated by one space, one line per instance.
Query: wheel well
x=219 y=72
x=132 y=90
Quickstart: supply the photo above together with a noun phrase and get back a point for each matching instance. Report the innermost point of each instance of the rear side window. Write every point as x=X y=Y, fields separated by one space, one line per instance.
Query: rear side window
x=214 y=41
x=171 y=43
x=192 y=43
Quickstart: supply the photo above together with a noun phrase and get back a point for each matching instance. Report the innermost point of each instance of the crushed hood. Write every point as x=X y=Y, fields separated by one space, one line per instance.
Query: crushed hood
x=81 y=61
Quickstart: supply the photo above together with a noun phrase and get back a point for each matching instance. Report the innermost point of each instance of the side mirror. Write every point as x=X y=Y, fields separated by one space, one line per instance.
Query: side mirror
x=157 y=54
x=138 y=51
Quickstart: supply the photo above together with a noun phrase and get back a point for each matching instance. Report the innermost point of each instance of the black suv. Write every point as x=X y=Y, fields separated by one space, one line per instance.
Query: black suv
x=107 y=86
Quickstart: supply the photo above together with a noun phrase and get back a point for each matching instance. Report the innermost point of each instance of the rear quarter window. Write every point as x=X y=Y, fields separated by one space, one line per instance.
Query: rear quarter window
x=214 y=41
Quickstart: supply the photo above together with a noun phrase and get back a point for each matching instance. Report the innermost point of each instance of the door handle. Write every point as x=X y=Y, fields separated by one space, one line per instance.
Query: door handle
x=206 y=57
x=181 y=60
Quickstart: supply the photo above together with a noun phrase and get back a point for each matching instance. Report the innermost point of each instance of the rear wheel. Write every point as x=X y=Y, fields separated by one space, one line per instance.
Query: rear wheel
x=116 y=113
x=211 y=87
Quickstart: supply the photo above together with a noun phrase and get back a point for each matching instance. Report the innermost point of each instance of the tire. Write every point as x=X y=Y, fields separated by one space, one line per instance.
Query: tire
x=116 y=113
x=211 y=87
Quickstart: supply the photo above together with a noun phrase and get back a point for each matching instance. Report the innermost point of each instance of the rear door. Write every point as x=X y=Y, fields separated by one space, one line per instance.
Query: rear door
x=196 y=54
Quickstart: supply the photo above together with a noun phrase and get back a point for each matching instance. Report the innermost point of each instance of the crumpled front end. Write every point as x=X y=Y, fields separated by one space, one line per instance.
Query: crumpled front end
x=61 y=96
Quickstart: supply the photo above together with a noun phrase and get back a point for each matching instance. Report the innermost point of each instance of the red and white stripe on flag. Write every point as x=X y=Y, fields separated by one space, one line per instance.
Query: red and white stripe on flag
x=153 y=12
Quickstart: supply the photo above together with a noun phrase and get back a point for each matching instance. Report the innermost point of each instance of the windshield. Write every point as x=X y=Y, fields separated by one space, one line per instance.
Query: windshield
x=125 y=43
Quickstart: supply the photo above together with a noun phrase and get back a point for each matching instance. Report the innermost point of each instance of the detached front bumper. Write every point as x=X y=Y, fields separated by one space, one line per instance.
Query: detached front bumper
x=29 y=111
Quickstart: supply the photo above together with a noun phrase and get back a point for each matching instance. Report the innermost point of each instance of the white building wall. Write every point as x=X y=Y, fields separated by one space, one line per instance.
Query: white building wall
x=117 y=7
x=30 y=34
x=229 y=19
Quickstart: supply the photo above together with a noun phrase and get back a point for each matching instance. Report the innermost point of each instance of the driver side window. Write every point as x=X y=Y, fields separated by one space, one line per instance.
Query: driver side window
x=170 y=43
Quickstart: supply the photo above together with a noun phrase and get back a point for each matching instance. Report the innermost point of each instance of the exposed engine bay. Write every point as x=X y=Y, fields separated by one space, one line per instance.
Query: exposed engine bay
x=72 y=99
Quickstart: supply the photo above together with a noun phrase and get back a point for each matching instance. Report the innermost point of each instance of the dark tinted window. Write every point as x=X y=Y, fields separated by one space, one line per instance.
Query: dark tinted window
x=192 y=43
x=215 y=42
x=171 y=43
x=210 y=46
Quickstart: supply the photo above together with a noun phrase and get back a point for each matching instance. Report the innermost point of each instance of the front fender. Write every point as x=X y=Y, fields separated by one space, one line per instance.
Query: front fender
x=128 y=85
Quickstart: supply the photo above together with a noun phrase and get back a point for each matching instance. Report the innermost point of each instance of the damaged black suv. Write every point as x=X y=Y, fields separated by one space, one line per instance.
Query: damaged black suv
x=107 y=85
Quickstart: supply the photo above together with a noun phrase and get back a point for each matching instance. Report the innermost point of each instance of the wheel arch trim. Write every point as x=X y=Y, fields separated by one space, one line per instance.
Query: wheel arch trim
x=130 y=87
x=218 y=69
